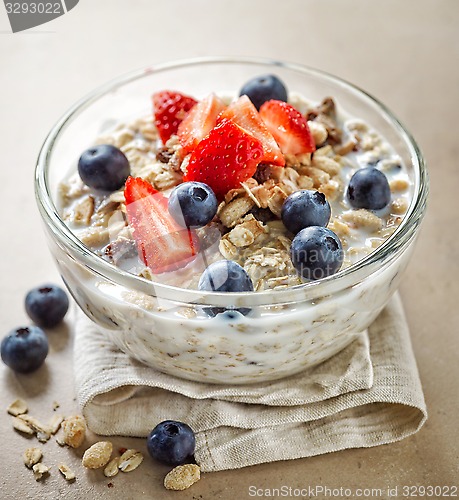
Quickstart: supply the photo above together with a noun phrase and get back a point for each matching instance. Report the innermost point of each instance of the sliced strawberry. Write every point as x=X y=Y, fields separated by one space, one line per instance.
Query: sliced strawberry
x=199 y=122
x=243 y=113
x=169 y=109
x=162 y=244
x=288 y=126
x=224 y=158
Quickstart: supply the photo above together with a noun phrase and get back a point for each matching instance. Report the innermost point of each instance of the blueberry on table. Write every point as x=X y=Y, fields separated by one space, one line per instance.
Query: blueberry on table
x=47 y=305
x=264 y=88
x=24 y=349
x=171 y=442
x=316 y=252
x=104 y=167
x=192 y=204
x=368 y=188
x=305 y=208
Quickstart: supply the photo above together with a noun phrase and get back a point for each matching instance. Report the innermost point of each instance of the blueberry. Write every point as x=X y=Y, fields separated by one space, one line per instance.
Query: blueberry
x=316 y=252
x=264 y=88
x=171 y=442
x=305 y=208
x=231 y=314
x=227 y=314
x=104 y=167
x=225 y=276
x=262 y=214
x=24 y=349
x=192 y=204
x=46 y=305
x=368 y=188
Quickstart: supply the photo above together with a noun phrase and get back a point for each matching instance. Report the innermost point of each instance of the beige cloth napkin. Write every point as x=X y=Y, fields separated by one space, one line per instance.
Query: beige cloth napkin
x=368 y=394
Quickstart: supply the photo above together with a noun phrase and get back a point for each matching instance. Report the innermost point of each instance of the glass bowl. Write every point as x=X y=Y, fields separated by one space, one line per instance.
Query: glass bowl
x=288 y=330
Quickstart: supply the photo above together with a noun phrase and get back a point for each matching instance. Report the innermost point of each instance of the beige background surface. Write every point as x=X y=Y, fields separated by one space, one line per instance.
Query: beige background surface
x=405 y=53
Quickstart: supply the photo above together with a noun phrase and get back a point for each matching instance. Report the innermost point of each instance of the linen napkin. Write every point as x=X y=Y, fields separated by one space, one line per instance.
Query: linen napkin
x=367 y=395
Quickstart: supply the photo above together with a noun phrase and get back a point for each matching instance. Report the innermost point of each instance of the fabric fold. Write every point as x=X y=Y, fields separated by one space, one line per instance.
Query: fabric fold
x=366 y=395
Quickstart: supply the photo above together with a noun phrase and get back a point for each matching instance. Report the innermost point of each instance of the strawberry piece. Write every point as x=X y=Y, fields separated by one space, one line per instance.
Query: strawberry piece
x=199 y=122
x=288 y=126
x=169 y=109
x=243 y=113
x=225 y=158
x=162 y=244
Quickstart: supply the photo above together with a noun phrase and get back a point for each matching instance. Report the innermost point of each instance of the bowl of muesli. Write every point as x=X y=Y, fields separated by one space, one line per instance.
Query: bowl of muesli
x=231 y=221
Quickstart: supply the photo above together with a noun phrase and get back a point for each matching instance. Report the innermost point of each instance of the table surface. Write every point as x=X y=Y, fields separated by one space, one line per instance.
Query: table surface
x=405 y=53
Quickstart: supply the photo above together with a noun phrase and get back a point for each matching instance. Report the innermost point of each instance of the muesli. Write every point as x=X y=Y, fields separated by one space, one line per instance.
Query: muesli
x=286 y=180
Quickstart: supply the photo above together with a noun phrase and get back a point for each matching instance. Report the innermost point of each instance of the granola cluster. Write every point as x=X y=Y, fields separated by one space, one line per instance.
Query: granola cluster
x=247 y=228
x=97 y=456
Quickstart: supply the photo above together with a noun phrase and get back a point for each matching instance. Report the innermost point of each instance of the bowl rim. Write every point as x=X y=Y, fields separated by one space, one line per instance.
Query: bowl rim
x=388 y=250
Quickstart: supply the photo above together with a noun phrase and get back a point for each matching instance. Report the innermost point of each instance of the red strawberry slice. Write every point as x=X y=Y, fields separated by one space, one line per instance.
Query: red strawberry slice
x=199 y=122
x=288 y=126
x=169 y=109
x=225 y=158
x=162 y=244
x=243 y=113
